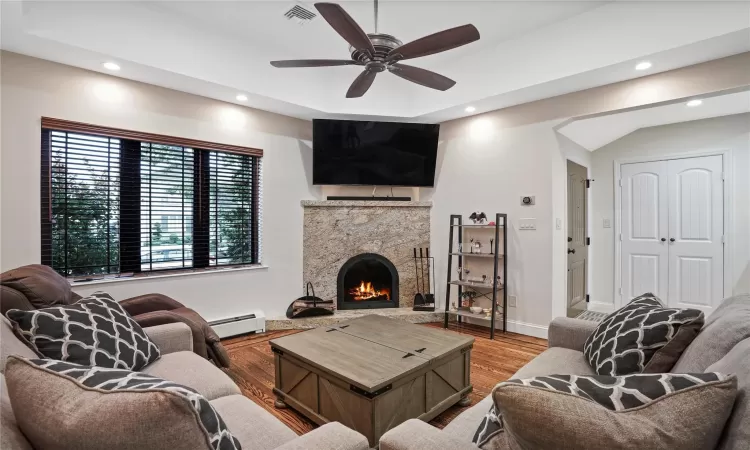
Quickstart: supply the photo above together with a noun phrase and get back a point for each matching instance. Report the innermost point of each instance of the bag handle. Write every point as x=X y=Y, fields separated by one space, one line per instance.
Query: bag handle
x=309 y=287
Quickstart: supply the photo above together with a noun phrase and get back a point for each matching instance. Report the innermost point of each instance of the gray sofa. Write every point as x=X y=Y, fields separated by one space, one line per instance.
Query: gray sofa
x=254 y=427
x=723 y=345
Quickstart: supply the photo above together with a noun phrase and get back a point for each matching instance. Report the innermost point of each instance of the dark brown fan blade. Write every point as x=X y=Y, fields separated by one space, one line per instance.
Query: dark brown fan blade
x=421 y=76
x=313 y=63
x=345 y=26
x=361 y=84
x=435 y=43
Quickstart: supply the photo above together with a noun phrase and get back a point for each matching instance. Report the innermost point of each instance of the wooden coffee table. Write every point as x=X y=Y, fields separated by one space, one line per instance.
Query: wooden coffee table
x=372 y=373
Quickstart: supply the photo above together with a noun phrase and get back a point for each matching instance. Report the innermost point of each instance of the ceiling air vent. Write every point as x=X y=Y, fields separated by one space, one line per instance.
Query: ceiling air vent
x=299 y=13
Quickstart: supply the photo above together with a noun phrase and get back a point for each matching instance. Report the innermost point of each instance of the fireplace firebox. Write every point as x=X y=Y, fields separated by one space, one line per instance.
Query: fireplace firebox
x=367 y=280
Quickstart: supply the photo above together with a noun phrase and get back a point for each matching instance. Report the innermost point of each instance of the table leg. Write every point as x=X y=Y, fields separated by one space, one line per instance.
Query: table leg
x=279 y=403
x=465 y=401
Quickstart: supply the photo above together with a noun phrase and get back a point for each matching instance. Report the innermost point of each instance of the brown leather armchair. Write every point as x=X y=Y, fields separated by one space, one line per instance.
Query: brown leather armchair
x=37 y=286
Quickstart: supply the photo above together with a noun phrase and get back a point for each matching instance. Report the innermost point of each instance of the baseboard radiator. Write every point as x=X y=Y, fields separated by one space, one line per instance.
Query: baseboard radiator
x=234 y=326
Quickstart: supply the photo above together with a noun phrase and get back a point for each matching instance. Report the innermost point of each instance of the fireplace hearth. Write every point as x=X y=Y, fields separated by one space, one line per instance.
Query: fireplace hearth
x=367 y=280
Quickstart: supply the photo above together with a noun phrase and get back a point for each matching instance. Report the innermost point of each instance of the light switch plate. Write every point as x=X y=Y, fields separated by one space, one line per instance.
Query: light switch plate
x=526 y=224
x=558 y=223
x=607 y=223
x=511 y=301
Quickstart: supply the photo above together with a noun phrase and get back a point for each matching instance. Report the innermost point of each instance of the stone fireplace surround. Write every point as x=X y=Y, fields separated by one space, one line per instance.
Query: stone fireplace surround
x=335 y=231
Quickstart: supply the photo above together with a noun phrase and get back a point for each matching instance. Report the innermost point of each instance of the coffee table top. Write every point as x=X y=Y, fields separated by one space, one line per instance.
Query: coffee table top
x=372 y=351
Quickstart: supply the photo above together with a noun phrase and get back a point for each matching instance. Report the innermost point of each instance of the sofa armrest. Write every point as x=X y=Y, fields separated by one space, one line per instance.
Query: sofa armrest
x=417 y=435
x=171 y=337
x=149 y=302
x=570 y=333
x=331 y=436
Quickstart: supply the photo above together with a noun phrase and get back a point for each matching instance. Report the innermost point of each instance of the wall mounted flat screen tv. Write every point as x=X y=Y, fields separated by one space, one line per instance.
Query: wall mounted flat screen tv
x=348 y=152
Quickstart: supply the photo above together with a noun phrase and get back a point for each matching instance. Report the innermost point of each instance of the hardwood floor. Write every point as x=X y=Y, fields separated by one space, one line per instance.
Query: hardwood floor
x=491 y=361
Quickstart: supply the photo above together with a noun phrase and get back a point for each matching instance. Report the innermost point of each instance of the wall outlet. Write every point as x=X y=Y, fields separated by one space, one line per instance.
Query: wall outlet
x=511 y=301
x=607 y=223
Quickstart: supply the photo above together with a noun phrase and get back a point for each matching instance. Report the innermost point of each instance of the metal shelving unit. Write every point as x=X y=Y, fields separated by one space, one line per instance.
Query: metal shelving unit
x=481 y=288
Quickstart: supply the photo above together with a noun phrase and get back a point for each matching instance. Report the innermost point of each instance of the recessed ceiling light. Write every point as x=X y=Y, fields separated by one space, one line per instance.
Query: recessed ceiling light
x=470 y=109
x=643 y=65
x=111 y=66
x=692 y=103
x=242 y=98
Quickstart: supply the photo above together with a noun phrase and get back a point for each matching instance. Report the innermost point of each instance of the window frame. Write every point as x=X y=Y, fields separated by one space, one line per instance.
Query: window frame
x=130 y=203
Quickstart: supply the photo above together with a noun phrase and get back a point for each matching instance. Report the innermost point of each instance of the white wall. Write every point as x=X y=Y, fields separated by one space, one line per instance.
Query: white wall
x=718 y=134
x=32 y=88
x=489 y=170
x=488 y=161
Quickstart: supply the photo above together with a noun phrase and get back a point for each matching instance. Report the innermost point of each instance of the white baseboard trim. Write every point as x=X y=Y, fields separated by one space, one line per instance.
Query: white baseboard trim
x=601 y=307
x=515 y=326
x=529 y=329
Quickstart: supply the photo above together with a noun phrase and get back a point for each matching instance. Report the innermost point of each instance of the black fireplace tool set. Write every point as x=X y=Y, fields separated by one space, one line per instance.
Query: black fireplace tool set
x=424 y=300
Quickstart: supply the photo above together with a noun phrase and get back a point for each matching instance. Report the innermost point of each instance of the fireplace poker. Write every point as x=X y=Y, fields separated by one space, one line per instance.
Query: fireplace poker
x=418 y=297
x=430 y=296
x=421 y=264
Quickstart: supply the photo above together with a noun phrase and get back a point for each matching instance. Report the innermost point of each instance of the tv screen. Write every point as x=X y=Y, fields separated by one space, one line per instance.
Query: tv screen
x=348 y=152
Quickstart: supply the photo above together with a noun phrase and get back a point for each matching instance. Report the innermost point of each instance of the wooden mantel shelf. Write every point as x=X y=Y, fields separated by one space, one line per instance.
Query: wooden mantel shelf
x=363 y=203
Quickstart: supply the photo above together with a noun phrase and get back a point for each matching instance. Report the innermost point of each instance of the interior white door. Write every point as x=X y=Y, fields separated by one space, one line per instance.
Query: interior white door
x=644 y=228
x=577 y=249
x=696 y=229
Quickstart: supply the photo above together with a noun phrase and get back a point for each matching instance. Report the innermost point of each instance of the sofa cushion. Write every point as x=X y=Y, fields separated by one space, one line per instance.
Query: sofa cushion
x=253 y=426
x=11 y=345
x=465 y=425
x=725 y=327
x=556 y=360
x=737 y=431
x=655 y=411
x=41 y=285
x=553 y=360
x=95 y=331
x=191 y=370
x=11 y=436
x=68 y=406
x=643 y=336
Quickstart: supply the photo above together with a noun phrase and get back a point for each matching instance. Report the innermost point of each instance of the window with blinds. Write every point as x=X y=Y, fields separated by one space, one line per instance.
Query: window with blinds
x=112 y=204
x=83 y=208
x=232 y=207
x=166 y=214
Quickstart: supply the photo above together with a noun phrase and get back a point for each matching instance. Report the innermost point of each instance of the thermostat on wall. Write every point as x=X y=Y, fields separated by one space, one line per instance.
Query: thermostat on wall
x=528 y=200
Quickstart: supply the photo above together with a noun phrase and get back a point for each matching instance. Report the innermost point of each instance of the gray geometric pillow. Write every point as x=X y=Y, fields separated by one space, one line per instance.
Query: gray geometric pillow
x=94 y=331
x=641 y=337
x=178 y=405
x=619 y=394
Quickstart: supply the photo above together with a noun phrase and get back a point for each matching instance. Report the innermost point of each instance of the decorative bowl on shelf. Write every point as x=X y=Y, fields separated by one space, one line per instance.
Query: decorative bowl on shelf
x=476 y=309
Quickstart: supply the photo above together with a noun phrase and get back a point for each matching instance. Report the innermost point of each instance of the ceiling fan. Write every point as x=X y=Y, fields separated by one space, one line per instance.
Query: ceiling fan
x=379 y=52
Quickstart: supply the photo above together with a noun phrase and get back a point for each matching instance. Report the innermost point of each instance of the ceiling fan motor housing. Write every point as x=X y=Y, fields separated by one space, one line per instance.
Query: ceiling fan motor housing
x=383 y=44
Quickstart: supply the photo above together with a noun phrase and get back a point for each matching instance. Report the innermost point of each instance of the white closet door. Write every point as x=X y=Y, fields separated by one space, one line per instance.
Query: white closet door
x=696 y=227
x=645 y=222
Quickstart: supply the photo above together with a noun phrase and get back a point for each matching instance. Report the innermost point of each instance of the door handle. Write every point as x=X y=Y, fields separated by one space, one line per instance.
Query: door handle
x=571 y=250
x=570 y=239
x=663 y=239
x=671 y=239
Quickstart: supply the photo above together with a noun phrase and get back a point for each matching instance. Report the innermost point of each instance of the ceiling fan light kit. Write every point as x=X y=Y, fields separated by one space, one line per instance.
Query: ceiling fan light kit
x=378 y=52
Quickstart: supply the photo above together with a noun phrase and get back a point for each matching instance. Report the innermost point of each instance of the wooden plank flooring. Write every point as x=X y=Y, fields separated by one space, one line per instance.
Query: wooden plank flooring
x=491 y=362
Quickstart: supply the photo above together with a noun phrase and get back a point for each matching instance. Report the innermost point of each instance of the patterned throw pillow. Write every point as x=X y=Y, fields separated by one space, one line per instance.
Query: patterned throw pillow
x=654 y=411
x=94 y=331
x=641 y=337
x=69 y=406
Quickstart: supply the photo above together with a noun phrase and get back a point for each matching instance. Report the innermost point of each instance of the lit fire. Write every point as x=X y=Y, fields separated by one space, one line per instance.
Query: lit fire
x=365 y=291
